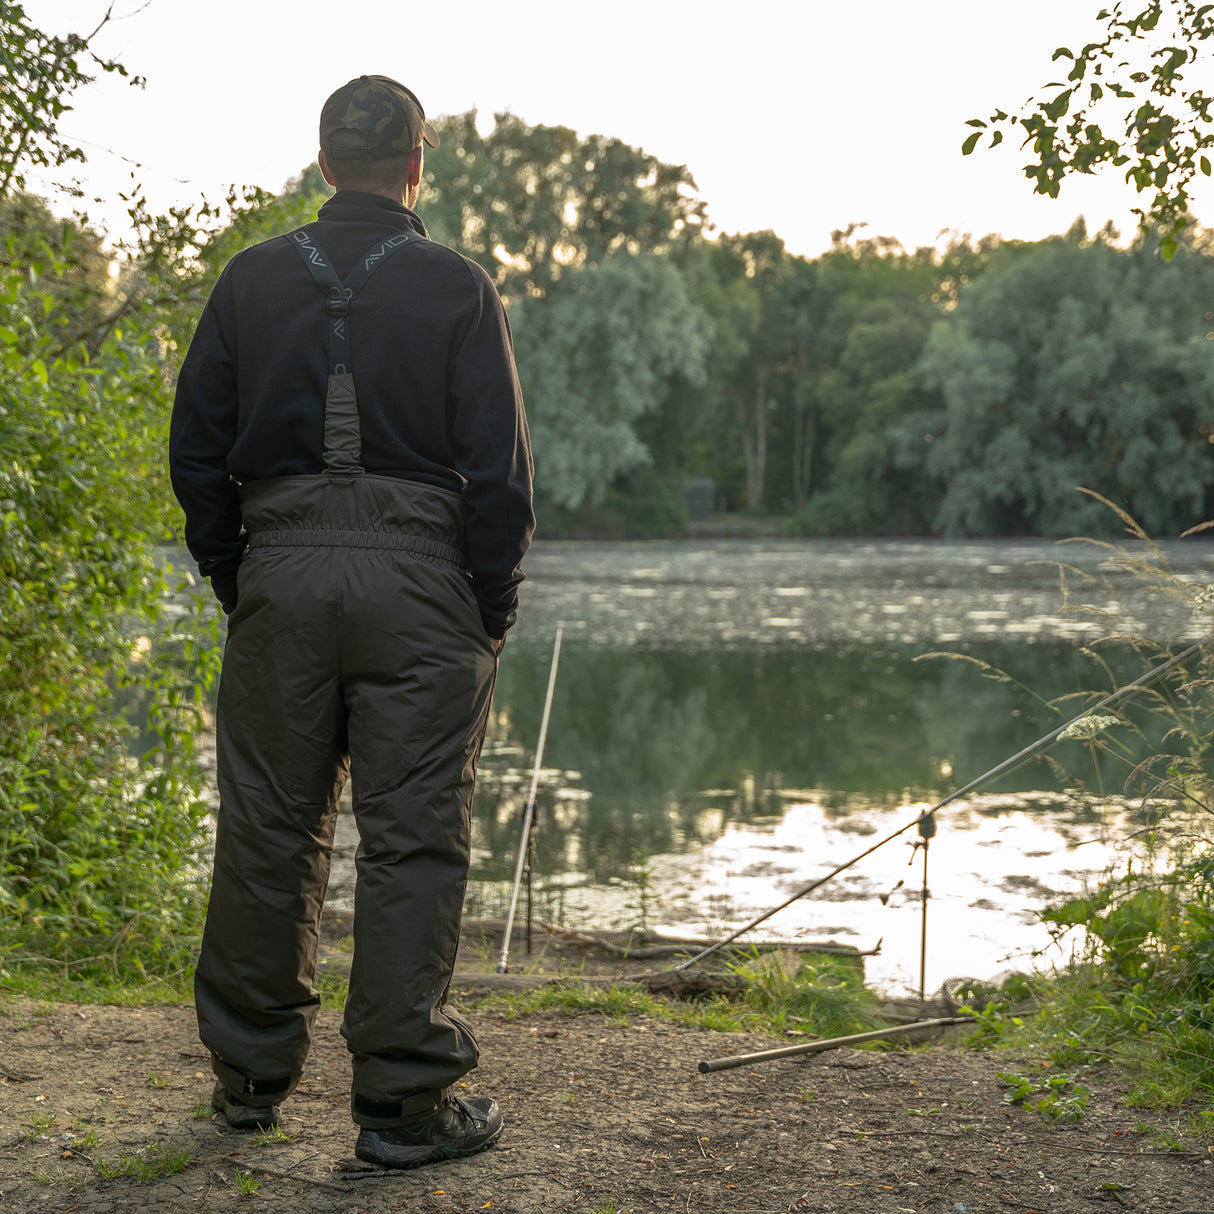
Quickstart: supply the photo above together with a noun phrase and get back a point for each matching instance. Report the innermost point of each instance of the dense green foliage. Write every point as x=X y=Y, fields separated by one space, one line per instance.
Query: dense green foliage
x=600 y=351
x=86 y=846
x=1136 y=983
x=1079 y=365
x=1139 y=994
x=99 y=853
x=83 y=846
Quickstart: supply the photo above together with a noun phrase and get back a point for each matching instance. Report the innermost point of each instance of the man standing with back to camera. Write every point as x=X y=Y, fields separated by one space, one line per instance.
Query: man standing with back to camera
x=349 y=446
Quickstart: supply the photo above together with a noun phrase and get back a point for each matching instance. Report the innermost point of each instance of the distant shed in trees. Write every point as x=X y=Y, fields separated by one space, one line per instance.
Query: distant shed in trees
x=700 y=494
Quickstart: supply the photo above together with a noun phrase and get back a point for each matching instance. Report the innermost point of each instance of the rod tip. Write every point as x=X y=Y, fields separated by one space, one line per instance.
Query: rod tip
x=704 y=1068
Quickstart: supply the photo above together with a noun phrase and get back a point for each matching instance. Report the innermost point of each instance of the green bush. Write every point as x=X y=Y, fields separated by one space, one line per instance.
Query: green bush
x=648 y=506
x=100 y=852
x=93 y=846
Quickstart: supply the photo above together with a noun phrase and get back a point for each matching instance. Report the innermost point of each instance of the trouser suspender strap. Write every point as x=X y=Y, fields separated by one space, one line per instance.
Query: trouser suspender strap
x=343 y=434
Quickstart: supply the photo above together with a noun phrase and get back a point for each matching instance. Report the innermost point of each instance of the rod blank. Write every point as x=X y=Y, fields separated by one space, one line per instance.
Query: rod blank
x=529 y=811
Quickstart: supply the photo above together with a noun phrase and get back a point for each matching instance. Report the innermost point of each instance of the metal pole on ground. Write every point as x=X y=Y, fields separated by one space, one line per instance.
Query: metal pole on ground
x=831 y=1043
x=528 y=868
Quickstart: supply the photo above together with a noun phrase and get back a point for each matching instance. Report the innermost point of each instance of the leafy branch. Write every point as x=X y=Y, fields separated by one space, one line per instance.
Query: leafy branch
x=1159 y=136
x=41 y=71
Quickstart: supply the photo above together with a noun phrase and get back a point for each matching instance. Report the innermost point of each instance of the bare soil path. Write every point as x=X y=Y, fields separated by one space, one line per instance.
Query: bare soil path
x=601 y=1117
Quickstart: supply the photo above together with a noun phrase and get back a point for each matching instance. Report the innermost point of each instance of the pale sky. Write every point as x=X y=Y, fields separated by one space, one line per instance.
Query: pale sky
x=800 y=117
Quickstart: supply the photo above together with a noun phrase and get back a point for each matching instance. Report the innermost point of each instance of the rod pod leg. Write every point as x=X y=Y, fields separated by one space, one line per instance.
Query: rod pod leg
x=927 y=831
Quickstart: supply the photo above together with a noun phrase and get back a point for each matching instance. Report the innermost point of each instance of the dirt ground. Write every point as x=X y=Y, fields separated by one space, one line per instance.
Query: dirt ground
x=602 y=1117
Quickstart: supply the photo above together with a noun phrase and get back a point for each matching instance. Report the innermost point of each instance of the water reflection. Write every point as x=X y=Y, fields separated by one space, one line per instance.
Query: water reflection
x=744 y=717
x=826 y=592
x=648 y=740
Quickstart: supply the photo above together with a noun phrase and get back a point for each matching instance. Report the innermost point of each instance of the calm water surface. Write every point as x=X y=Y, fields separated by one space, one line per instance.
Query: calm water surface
x=745 y=716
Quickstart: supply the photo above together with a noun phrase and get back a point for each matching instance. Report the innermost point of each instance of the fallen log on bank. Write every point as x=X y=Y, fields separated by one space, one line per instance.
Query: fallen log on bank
x=636 y=946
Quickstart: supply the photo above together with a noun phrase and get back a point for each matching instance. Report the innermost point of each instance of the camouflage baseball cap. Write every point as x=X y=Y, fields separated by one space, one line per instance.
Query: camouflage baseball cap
x=371 y=118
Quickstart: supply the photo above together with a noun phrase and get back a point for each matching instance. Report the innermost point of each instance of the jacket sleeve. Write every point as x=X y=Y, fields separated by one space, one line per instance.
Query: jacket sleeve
x=492 y=449
x=201 y=434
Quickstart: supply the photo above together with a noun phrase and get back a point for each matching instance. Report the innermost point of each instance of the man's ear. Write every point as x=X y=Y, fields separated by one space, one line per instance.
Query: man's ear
x=324 y=170
x=416 y=161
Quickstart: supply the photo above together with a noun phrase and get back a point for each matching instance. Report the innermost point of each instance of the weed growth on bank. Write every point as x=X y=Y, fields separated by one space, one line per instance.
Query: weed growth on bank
x=1058 y=1098
x=56 y=981
x=1138 y=992
x=147 y=1165
x=818 y=997
x=247 y=1185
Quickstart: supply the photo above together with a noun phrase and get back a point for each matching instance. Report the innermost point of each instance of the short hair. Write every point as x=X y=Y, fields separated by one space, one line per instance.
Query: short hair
x=387 y=174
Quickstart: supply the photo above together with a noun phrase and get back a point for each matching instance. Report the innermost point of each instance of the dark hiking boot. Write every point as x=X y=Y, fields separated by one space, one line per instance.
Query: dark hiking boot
x=241 y=1116
x=460 y=1127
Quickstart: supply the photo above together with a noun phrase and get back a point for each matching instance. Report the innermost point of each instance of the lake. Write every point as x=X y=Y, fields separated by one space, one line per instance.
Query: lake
x=733 y=719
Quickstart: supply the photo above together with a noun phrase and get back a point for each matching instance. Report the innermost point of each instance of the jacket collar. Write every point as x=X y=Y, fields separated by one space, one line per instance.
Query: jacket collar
x=356 y=206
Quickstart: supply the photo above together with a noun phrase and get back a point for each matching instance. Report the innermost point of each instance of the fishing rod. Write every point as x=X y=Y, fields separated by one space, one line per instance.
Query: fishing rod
x=1020 y=755
x=524 y=850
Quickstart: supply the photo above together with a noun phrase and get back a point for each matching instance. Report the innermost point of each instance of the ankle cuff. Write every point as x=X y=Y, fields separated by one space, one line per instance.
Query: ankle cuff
x=258 y=1093
x=374 y=1113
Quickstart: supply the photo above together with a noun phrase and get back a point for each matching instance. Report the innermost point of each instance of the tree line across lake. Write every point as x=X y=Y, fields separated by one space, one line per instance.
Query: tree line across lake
x=965 y=389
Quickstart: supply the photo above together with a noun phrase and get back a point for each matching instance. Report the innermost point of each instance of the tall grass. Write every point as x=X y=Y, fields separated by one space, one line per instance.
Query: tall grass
x=1139 y=991
x=777 y=993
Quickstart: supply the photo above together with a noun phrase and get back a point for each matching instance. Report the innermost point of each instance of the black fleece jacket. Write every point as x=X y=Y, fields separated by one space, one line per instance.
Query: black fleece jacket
x=438 y=394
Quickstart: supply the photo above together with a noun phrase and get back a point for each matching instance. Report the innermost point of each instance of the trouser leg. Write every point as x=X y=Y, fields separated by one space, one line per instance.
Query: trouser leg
x=280 y=737
x=417 y=720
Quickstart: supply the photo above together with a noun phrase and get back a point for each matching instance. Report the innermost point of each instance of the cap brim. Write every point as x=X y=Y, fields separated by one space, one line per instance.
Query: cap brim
x=429 y=134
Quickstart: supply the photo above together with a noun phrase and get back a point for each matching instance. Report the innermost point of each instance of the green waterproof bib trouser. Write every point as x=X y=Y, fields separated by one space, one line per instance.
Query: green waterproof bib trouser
x=356 y=648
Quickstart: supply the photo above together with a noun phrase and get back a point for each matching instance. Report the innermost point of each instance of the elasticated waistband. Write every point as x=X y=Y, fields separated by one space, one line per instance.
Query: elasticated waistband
x=366 y=511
